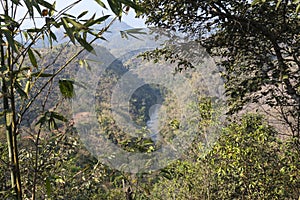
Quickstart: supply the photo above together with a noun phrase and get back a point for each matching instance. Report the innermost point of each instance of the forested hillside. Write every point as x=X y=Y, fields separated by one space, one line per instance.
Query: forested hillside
x=203 y=104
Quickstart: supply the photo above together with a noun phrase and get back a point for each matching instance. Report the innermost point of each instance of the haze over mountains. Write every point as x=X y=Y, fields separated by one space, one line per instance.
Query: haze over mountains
x=114 y=39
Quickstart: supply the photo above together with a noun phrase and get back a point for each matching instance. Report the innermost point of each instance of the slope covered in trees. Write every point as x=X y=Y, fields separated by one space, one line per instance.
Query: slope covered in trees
x=43 y=154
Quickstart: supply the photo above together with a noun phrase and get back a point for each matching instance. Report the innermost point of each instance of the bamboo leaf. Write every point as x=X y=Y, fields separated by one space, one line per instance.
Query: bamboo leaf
x=10 y=40
x=75 y=24
x=32 y=58
x=136 y=31
x=115 y=6
x=52 y=124
x=17 y=2
x=101 y=3
x=91 y=21
x=68 y=29
x=9 y=118
x=82 y=14
x=132 y=5
x=40 y=74
x=66 y=88
x=29 y=7
x=46 y=4
x=56 y=115
x=84 y=63
x=298 y=9
x=27 y=87
x=42 y=120
x=278 y=4
x=48 y=187
x=84 y=44
x=20 y=90
x=255 y=2
x=52 y=10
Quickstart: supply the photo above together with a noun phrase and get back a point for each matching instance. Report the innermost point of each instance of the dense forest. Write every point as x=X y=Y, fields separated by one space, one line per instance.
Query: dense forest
x=202 y=104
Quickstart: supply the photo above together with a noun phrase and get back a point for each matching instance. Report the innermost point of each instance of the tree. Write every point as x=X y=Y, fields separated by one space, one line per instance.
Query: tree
x=257 y=41
x=19 y=79
x=247 y=162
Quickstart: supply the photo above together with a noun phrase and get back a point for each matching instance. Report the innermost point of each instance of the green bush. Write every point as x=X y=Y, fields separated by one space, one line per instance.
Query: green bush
x=248 y=161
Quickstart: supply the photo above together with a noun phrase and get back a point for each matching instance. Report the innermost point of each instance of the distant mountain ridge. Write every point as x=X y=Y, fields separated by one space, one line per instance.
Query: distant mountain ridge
x=112 y=33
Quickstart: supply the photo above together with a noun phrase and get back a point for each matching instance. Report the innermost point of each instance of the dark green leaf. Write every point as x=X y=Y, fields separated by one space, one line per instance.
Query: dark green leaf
x=48 y=187
x=56 y=115
x=66 y=88
x=20 y=90
x=41 y=74
x=75 y=24
x=132 y=4
x=32 y=58
x=82 y=14
x=84 y=44
x=10 y=40
x=115 y=6
x=17 y=2
x=68 y=29
x=101 y=3
x=91 y=22
x=29 y=6
x=46 y=4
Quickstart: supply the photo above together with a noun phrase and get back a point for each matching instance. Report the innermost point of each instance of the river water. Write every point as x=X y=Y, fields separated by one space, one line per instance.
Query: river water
x=153 y=123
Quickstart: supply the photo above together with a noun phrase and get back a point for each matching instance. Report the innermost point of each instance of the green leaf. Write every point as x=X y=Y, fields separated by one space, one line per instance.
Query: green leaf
x=68 y=15
x=115 y=6
x=68 y=29
x=132 y=33
x=101 y=3
x=66 y=88
x=91 y=21
x=52 y=37
x=25 y=35
x=136 y=31
x=84 y=44
x=17 y=2
x=255 y=2
x=42 y=120
x=52 y=10
x=10 y=40
x=34 y=30
x=32 y=58
x=82 y=14
x=9 y=118
x=84 y=63
x=75 y=24
x=123 y=34
x=49 y=117
x=27 y=87
x=36 y=52
x=298 y=9
x=285 y=77
x=278 y=4
x=132 y=5
x=20 y=90
x=48 y=187
x=52 y=124
x=29 y=6
x=46 y=4
x=40 y=74
x=56 y=115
